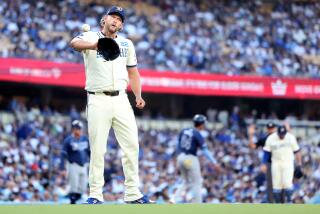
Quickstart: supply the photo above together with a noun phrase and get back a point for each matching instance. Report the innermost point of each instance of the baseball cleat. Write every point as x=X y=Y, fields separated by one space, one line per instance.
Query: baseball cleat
x=143 y=200
x=93 y=201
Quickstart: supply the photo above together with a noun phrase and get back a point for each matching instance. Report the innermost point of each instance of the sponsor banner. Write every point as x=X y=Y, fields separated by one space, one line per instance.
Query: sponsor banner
x=42 y=72
x=73 y=75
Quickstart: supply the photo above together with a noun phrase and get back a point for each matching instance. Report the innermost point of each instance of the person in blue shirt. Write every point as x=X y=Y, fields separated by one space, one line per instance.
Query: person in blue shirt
x=259 y=143
x=76 y=151
x=189 y=141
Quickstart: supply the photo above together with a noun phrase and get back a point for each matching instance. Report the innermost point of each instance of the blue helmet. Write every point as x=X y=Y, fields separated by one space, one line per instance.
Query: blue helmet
x=199 y=119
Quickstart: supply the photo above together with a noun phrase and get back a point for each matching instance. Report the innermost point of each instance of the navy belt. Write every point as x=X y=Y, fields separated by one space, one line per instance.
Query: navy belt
x=108 y=93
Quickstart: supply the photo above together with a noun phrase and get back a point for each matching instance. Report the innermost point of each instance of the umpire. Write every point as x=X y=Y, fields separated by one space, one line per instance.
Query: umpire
x=271 y=128
x=76 y=152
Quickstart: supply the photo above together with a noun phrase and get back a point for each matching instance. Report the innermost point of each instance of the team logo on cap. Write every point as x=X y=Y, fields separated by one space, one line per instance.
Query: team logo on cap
x=119 y=8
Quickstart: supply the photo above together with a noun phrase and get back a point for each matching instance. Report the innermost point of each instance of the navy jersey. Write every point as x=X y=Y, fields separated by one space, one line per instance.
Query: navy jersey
x=76 y=150
x=190 y=140
x=261 y=142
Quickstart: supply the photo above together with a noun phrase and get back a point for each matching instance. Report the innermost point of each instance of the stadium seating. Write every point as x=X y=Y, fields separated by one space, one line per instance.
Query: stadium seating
x=235 y=38
x=30 y=145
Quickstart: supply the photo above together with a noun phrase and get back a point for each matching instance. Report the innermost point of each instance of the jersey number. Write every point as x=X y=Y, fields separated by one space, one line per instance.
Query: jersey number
x=185 y=142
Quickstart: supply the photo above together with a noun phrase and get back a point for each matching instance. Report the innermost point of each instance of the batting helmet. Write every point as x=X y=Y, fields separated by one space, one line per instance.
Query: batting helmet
x=199 y=119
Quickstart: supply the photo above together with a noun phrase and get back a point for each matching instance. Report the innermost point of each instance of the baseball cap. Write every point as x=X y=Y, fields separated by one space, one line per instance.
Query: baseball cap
x=282 y=130
x=77 y=124
x=271 y=125
x=118 y=11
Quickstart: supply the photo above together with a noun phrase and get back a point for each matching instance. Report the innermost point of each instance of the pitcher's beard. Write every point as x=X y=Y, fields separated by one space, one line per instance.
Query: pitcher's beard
x=112 y=30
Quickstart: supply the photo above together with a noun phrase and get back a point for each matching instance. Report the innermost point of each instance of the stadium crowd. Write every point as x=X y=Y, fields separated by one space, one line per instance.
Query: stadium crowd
x=30 y=157
x=229 y=37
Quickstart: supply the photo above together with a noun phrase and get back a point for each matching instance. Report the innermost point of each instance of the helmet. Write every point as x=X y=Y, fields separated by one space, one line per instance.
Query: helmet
x=199 y=119
x=77 y=124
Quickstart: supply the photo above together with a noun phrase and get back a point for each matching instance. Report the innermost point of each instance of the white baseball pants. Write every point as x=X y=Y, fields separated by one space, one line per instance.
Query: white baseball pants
x=104 y=112
x=282 y=175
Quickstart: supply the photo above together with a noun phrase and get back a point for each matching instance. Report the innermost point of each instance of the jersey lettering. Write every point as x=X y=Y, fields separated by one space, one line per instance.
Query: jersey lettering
x=99 y=55
x=96 y=65
x=125 y=44
x=79 y=146
x=284 y=145
x=123 y=52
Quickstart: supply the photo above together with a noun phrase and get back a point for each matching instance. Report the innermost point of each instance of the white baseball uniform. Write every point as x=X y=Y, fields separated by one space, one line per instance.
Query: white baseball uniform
x=104 y=112
x=282 y=165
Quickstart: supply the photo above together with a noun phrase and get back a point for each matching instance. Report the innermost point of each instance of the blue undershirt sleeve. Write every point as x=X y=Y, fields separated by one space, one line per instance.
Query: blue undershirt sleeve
x=266 y=157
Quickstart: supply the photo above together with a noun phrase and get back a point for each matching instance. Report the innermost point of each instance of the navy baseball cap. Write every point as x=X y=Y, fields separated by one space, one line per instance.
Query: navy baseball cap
x=282 y=130
x=271 y=125
x=77 y=124
x=118 y=11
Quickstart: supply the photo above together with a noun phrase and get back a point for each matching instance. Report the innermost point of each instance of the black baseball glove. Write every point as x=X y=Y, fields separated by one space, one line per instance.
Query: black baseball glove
x=108 y=49
x=298 y=173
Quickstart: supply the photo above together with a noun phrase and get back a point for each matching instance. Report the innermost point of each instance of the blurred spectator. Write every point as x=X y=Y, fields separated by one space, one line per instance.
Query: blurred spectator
x=29 y=166
x=228 y=37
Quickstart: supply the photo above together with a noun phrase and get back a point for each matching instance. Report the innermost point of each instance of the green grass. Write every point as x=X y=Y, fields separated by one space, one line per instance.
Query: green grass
x=163 y=209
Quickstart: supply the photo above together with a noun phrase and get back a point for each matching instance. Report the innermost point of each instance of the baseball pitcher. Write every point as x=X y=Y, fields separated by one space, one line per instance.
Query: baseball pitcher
x=110 y=65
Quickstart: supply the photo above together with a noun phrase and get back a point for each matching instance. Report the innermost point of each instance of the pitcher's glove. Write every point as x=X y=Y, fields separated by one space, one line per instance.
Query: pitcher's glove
x=108 y=49
x=298 y=173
